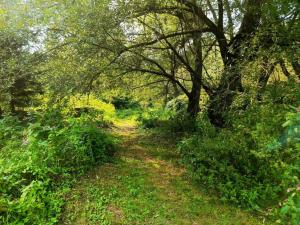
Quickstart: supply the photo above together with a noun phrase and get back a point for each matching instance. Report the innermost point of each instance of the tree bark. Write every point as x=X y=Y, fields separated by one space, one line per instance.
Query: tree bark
x=194 y=97
x=284 y=70
x=222 y=98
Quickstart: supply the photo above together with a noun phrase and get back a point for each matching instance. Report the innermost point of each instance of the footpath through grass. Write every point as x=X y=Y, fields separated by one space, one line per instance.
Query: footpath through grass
x=145 y=185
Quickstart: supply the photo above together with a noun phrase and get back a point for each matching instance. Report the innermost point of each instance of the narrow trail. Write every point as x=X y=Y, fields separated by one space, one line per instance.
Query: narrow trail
x=145 y=185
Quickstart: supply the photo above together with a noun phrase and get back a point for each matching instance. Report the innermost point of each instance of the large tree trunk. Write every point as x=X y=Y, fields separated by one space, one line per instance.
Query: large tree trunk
x=194 y=98
x=220 y=102
x=231 y=79
x=223 y=96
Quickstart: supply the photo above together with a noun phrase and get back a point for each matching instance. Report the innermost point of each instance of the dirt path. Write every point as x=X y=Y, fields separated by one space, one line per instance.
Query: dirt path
x=144 y=185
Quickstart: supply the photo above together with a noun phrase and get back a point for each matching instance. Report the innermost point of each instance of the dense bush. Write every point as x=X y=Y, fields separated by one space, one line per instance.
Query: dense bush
x=153 y=118
x=182 y=122
x=39 y=161
x=253 y=163
x=129 y=114
x=171 y=121
x=91 y=105
x=178 y=104
x=10 y=130
x=290 y=207
x=124 y=102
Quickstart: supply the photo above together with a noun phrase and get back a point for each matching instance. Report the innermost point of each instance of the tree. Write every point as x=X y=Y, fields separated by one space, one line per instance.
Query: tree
x=19 y=84
x=140 y=37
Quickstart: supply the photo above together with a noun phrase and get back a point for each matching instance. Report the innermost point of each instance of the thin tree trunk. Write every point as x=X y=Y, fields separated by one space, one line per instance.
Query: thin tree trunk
x=284 y=69
x=174 y=68
x=166 y=97
x=12 y=106
x=266 y=71
x=176 y=90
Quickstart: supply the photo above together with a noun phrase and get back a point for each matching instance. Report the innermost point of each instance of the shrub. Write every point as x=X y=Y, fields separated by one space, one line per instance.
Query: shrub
x=247 y=164
x=289 y=212
x=91 y=104
x=10 y=130
x=178 y=104
x=129 y=114
x=290 y=207
x=170 y=121
x=182 y=122
x=95 y=115
x=38 y=167
x=153 y=118
x=283 y=93
x=124 y=102
x=76 y=145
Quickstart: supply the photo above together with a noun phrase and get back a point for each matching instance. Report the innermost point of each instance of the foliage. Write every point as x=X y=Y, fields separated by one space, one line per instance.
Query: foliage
x=19 y=83
x=182 y=122
x=10 y=130
x=131 y=114
x=91 y=103
x=121 y=102
x=168 y=120
x=178 y=104
x=290 y=208
x=247 y=164
x=38 y=166
x=153 y=118
x=237 y=62
x=172 y=118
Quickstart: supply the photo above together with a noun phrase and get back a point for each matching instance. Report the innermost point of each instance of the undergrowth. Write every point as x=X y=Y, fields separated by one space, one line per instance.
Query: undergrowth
x=254 y=164
x=39 y=161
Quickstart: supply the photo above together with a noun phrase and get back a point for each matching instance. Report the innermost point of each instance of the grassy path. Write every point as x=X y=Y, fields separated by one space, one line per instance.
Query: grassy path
x=144 y=185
